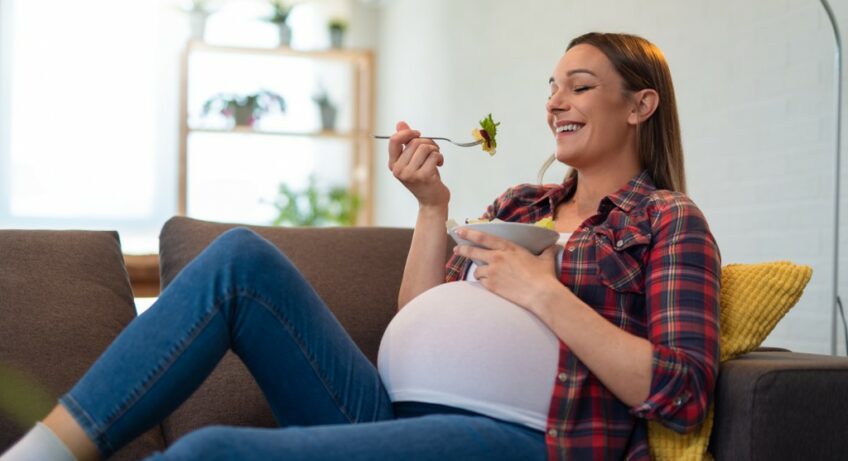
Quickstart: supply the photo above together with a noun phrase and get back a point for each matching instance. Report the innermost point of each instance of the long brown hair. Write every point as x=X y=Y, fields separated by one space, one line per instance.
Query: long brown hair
x=642 y=65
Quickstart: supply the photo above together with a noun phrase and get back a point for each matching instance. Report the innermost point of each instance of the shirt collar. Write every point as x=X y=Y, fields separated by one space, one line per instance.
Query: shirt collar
x=639 y=187
x=626 y=198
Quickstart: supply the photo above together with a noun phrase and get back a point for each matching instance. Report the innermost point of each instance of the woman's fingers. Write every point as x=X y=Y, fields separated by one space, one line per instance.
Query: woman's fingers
x=485 y=240
x=399 y=141
x=414 y=156
x=430 y=166
x=422 y=154
x=421 y=164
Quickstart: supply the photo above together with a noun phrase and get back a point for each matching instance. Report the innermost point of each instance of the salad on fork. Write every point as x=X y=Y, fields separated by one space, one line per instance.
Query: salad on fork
x=484 y=135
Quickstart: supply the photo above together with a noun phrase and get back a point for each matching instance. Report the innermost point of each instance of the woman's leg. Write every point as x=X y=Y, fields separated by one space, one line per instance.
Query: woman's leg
x=242 y=294
x=426 y=438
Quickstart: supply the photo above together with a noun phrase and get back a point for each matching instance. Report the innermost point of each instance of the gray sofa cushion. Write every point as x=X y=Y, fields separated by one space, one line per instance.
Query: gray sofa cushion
x=781 y=406
x=64 y=296
x=356 y=271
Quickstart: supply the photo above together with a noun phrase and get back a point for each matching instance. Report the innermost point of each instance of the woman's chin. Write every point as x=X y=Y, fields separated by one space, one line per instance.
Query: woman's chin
x=567 y=157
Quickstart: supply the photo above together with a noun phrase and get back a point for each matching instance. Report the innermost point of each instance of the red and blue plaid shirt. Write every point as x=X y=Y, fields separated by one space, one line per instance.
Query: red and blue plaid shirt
x=647 y=262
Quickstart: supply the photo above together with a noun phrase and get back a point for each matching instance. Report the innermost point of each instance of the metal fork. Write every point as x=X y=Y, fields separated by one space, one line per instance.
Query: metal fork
x=460 y=144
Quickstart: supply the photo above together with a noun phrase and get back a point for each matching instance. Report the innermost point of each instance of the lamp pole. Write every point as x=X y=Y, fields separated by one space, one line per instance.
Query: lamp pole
x=837 y=58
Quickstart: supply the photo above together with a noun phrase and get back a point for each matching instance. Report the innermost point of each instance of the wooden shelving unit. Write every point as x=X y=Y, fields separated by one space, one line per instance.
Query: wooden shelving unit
x=358 y=136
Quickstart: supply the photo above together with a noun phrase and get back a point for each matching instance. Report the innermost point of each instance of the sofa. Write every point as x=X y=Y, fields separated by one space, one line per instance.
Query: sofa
x=64 y=295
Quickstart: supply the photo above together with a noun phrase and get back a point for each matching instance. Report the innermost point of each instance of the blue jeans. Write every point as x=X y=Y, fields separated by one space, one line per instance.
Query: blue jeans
x=242 y=293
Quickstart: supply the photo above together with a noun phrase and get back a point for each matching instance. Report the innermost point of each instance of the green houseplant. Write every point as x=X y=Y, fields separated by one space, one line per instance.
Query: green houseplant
x=245 y=110
x=280 y=10
x=327 y=108
x=313 y=206
x=337 y=28
x=198 y=11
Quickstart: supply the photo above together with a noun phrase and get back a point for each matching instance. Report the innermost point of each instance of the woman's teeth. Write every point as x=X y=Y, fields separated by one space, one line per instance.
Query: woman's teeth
x=569 y=127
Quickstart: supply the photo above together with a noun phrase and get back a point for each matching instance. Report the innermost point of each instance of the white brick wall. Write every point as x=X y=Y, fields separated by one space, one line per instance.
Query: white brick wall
x=755 y=92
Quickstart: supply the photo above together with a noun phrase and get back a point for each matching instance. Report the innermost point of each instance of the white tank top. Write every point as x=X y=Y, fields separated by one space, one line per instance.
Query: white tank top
x=461 y=345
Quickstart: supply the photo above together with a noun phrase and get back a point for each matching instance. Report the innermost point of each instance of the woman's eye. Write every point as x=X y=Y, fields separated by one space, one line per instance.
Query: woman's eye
x=580 y=89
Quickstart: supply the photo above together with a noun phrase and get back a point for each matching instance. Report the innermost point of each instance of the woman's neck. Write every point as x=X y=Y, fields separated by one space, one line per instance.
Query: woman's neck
x=594 y=185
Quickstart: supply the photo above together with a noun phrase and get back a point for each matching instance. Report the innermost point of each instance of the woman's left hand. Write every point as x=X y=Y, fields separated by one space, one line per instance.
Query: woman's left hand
x=511 y=271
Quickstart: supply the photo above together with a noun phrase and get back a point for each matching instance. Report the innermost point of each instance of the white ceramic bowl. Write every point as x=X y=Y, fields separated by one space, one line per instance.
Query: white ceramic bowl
x=533 y=238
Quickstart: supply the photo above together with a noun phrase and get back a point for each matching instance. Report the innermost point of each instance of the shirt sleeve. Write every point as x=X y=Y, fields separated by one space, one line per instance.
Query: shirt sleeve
x=456 y=264
x=683 y=275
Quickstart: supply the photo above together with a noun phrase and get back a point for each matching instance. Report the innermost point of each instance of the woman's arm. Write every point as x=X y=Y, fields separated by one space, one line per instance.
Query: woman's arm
x=415 y=163
x=670 y=375
x=620 y=360
x=425 y=264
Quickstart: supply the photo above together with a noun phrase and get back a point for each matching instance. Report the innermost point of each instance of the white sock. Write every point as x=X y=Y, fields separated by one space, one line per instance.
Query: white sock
x=39 y=444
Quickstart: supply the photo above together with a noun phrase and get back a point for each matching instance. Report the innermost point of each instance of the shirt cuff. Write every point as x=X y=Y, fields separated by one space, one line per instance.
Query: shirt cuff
x=670 y=390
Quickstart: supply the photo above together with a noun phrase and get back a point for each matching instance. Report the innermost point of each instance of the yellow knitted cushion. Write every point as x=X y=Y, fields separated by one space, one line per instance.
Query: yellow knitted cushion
x=754 y=297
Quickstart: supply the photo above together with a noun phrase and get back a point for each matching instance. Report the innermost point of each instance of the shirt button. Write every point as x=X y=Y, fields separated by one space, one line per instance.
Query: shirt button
x=678 y=401
x=562 y=377
x=619 y=243
x=571 y=249
x=552 y=432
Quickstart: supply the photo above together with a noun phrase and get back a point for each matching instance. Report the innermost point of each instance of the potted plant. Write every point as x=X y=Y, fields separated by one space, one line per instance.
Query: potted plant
x=198 y=11
x=280 y=10
x=328 y=110
x=311 y=207
x=245 y=110
x=337 y=28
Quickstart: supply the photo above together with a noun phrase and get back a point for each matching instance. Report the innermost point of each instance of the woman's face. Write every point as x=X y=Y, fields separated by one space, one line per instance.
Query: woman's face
x=589 y=112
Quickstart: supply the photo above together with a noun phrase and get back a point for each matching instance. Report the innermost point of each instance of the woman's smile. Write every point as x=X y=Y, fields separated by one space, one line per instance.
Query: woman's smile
x=566 y=128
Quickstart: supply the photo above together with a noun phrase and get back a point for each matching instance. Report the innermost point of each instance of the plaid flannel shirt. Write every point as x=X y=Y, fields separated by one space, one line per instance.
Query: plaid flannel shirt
x=647 y=262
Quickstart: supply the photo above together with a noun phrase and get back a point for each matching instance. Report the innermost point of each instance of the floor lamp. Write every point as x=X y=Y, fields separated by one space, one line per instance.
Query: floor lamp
x=838 y=103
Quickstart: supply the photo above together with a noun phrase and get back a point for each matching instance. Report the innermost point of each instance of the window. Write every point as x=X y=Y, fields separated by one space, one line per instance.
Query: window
x=88 y=138
x=89 y=111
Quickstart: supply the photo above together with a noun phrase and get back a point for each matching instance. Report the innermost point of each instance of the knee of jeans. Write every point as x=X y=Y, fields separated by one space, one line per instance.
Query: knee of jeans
x=237 y=237
x=198 y=443
x=244 y=246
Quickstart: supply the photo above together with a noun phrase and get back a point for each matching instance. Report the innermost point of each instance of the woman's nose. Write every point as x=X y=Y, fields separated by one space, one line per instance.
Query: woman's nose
x=557 y=102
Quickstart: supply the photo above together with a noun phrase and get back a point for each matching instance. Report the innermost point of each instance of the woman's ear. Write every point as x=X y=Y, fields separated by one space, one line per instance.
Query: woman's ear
x=645 y=102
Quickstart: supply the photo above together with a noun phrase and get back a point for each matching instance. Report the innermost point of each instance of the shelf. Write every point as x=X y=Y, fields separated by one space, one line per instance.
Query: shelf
x=330 y=54
x=251 y=131
x=358 y=99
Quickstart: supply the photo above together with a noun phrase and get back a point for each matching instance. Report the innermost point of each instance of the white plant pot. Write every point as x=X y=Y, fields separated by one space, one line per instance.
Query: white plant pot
x=197 y=23
x=336 y=38
x=285 y=34
x=328 y=118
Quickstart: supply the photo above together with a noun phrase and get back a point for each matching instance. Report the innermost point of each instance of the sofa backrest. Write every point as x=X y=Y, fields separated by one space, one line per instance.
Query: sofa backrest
x=64 y=296
x=356 y=271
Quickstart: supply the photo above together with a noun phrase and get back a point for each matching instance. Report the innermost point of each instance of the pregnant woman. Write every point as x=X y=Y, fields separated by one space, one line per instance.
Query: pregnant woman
x=506 y=361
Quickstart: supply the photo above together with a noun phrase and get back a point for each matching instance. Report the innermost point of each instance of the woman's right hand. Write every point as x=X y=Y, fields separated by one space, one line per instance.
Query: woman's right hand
x=414 y=162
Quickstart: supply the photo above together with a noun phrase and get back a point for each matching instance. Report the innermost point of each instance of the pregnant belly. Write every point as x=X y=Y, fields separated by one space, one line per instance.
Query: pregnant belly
x=459 y=344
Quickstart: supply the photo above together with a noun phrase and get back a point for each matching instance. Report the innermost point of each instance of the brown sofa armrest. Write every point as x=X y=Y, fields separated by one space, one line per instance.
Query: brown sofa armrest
x=773 y=405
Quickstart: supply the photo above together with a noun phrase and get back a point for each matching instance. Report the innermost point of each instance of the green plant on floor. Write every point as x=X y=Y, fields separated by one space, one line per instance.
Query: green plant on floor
x=314 y=206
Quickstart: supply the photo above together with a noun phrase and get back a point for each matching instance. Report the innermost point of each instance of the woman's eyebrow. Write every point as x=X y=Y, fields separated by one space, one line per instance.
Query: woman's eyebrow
x=580 y=71
x=574 y=71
